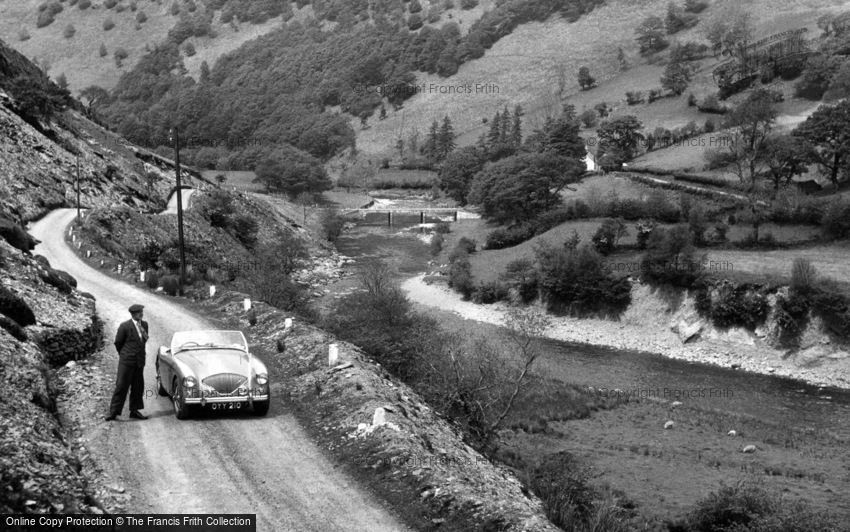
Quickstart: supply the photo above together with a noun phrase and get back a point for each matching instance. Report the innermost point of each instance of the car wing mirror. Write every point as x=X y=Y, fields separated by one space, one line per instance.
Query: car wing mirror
x=164 y=351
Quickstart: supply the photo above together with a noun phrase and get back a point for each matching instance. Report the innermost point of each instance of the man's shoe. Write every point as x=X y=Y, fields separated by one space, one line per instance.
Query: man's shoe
x=110 y=417
x=135 y=414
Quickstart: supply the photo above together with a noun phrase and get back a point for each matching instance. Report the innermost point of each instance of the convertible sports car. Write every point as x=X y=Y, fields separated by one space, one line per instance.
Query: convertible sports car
x=212 y=368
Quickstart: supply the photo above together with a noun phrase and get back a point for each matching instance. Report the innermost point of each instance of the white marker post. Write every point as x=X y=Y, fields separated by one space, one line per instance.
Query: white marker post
x=333 y=355
x=120 y=268
x=246 y=304
x=142 y=276
x=88 y=253
x=79 y=245
x=287 y=324
x=212 y=290
x=73 y=237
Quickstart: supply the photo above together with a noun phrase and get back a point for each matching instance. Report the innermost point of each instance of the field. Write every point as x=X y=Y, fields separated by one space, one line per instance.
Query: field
x=665 y=472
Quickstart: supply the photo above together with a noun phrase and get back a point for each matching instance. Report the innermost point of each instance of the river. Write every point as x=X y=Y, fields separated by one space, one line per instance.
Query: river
x=775 y=400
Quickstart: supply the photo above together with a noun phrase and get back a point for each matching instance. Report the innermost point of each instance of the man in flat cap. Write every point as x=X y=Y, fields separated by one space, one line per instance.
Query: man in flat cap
x=130 y=344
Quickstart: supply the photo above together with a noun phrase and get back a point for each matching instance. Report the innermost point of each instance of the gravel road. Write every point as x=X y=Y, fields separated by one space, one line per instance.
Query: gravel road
x=265 y=466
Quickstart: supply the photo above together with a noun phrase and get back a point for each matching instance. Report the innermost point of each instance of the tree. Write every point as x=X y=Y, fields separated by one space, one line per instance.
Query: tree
x=817 y=76
x=620 y=139
x=36 y=97
x=561 y=135
x=516 y=127
x=431 y=148
x=650 y=35
x=676 y=77
x=621 y=58
x=504 y=126
x=458 y=170
x=827 y=130
x=62 y=81
x=293 y=172
x=102 y=51
x=445 y=139
x=678 y=20
x=69 y=31
x=204 y=76
x=585 y=80
x=839 y=85
x=785 y=157
x=749 y=125
x=729 y=29
x=495 y=129
x=520 y=187
x=94 y=96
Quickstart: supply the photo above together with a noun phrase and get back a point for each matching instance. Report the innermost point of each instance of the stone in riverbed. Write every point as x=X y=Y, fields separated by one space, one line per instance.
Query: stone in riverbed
x=749 y=449
x=669 y=425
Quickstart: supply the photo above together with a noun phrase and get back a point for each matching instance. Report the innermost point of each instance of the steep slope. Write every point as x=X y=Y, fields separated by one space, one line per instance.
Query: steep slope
x=536 y=66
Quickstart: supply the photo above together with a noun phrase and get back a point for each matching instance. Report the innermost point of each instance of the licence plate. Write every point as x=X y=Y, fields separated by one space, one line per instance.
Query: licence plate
x=227 y=406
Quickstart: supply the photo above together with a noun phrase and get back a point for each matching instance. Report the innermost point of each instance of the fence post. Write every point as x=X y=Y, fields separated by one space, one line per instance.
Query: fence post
x=389 y=217
x=422 y=217
x=455 y=216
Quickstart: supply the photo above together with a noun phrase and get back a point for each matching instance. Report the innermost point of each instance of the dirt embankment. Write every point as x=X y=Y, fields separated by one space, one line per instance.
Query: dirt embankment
x=380 y=429
x=45 y=325
x=671 y=328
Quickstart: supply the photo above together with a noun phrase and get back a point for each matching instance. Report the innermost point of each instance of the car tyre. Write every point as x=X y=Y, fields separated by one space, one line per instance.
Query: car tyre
x=160 y=389
x=261 y=408
x=181 y=409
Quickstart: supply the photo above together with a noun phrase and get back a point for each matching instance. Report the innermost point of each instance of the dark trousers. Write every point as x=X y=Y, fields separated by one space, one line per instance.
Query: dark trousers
x=130 y=377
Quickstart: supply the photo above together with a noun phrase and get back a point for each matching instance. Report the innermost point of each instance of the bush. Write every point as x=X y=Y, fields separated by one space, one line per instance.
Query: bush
x=563 y=487
x=791 y=316
x=436 y=245
x=669 y=258
x=741 y=305
x=834 y=309
x=332 y=224
x=489 y=293
x=466 y=245
x=120 y=55
x=460 y=274
x=520 y=276
x=574 y=281
x=84 y=4
x=171 y=285
x=414 y=22
x=803 y=275
x=15 y=308
x=245 y=230
x=442 y=228
x=835 y=222
x=711 y=104
x=102 y=52
x=151 y=279
x=13 y=328
x=45 y=18
x=749 y=507
x=655 y=94
x=468 y=4
x=108 y=24
x=634 y=97
x=692 y=100
x=23 y=35
x=109 y=4
x=141 y=17
x=609 y=233
x=69 y=31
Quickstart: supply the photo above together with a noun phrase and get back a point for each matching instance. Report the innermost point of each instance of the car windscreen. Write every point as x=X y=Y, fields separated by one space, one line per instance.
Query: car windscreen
x=185 y=340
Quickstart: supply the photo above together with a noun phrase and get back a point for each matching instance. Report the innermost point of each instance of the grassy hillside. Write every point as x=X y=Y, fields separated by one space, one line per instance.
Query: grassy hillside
x=537 y=65
x=79 y=58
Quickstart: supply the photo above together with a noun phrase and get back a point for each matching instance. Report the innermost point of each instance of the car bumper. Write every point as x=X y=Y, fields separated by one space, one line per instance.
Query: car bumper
x=224 y=399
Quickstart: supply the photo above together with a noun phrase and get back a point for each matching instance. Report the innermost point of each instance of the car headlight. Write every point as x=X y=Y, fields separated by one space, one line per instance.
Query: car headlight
x=262 y=378
x=189 y=382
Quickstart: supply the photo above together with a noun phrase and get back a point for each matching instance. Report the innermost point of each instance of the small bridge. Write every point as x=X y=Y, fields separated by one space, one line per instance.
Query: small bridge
x=425 y=214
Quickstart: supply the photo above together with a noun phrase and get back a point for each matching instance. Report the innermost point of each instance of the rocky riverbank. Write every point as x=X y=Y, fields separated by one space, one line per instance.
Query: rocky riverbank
x=649 y=326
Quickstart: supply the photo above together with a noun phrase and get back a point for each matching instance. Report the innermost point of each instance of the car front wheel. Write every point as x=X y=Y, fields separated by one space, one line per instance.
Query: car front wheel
x=160 y=389
x=261 y=408
x=181 y=409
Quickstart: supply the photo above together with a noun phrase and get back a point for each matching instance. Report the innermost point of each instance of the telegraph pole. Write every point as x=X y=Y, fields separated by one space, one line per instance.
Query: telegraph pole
x=179 y=211
x=79 y=218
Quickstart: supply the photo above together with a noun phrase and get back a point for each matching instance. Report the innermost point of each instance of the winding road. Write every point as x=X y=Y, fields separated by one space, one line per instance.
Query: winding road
x=265 y=466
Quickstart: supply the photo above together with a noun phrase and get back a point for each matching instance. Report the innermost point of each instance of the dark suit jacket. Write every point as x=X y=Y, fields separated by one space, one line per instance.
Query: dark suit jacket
x=131 y=348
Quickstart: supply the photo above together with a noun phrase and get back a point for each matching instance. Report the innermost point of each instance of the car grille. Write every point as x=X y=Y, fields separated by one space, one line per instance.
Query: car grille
x=225 y=383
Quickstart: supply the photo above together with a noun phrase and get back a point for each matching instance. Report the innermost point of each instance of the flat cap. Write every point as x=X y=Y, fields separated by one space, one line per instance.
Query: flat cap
x=136 y=308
